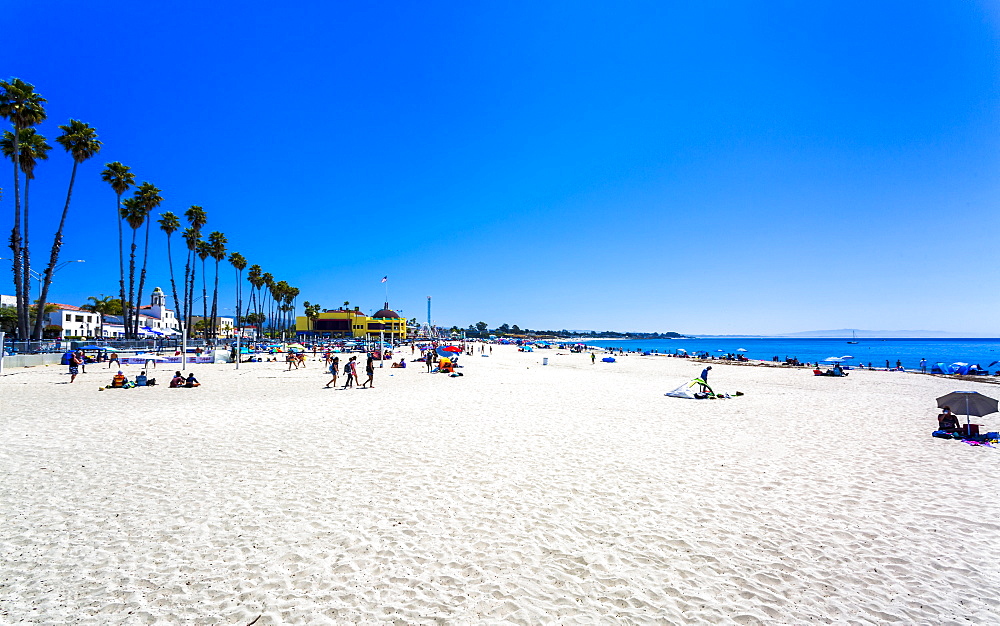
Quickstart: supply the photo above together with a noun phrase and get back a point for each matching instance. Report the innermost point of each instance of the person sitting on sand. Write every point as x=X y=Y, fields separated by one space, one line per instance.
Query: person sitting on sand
x=948 y=421
x=141 y=380
x=177 y=381
x=191 y=381
x=118 y=380
x=402 y=363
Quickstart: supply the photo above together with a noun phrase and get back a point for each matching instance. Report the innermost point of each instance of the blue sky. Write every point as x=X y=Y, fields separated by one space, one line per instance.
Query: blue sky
x=713 y=167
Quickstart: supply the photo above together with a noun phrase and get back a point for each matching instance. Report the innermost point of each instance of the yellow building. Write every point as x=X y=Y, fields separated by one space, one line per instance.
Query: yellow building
x=345 y=323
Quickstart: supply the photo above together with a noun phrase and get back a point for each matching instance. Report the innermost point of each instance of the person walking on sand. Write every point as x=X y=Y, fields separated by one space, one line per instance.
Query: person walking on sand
x=349 y=372
x=370 y=371
x=428 y=361
x=923 y=366
x=593 y=358
x=334 y=366
x=74 y=366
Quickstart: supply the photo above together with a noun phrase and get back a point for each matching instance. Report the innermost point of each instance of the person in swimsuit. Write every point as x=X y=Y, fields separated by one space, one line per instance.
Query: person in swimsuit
x=74 y=366
x=370 y=371
x=948 y=421
x=334 y=366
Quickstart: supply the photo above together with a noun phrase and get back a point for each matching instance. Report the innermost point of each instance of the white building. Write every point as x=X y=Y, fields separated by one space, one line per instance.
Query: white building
x=6 y=301
x=74 y=321
x=156 y=315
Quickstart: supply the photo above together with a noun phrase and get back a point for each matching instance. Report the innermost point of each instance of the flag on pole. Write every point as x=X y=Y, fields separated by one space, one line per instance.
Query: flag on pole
x=385 y=278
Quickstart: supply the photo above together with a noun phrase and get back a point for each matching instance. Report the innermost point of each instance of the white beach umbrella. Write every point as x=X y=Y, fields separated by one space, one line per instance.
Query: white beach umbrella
x=741 y=349
x=834 y=359
x=847 y=356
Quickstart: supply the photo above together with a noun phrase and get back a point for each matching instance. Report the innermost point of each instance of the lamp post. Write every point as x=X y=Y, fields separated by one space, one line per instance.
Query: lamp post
x=38 y=276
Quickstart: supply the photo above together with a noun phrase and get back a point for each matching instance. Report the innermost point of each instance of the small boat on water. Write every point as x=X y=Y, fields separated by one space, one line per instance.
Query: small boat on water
x=854 y=337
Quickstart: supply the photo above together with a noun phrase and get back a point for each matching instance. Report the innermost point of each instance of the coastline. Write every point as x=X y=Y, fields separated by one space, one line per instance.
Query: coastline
x=518 y=492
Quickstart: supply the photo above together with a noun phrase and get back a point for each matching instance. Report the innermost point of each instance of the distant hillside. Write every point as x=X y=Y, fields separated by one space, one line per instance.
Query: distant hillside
x=845 y=333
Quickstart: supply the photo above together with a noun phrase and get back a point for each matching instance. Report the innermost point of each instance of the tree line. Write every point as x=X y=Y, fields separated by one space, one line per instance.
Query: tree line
x=482 y=329
x=24 y=108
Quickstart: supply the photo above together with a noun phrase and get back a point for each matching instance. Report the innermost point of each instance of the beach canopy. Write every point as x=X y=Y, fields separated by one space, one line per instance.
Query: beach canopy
x=687 y=390
x=451 y=349
x=968 y=402
x=96 y=348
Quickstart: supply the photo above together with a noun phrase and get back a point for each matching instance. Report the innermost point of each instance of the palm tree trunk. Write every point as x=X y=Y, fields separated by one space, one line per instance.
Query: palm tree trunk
x=134 y=316
x=126 y=314
x=15 y=245
x=142 y=275
x=204 y=301
x=190 y=305
x=239 y=297
x=25 y=256
x=215 y=301
x=53 y=258
x=173 y=284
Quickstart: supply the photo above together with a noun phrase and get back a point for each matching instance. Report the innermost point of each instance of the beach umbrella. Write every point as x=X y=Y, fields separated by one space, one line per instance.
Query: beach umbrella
x=741 y=349
x=834 y=359
x=847 y=356
x=451 y=349
x=972 y=402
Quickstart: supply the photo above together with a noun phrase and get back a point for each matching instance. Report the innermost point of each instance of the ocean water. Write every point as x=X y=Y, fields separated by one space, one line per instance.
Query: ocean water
x=874 y=351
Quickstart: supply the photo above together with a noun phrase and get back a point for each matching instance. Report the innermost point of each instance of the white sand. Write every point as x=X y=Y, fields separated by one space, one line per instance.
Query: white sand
x=518 y=493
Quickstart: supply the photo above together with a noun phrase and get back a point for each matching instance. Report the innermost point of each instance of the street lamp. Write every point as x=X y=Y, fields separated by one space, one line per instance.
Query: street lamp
x=38 y=276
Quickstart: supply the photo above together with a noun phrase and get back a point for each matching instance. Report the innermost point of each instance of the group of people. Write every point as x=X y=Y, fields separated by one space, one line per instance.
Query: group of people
x=350 y=372
x=179 y=381
x=120 y=381
x=295 y=358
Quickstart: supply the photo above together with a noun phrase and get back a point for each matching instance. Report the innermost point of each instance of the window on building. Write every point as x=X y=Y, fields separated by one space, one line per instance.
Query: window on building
x=69 y=317
x=79 y=318
x=90 y=318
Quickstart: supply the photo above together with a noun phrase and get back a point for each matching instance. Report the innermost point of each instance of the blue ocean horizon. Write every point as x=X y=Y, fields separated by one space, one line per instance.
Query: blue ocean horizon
x=875 y=351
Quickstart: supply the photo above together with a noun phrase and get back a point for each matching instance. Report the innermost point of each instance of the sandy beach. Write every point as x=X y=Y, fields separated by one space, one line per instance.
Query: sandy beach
x=517 y=493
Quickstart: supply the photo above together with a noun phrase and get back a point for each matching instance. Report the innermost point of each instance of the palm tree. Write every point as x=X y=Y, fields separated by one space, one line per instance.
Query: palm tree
x=203 y=252
x=216 y=250
x=196 y=217
x=239 y=263
x=120 y=179
x=25 y=108
x=149 y=196
x=134 y=214
x=255 y=278
x=33 y=149
x=268 y=280
x=169 y=224
x=291 y=295
x=312 y=313
x=191 y=239
x=105 y=305
x=80 y=140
